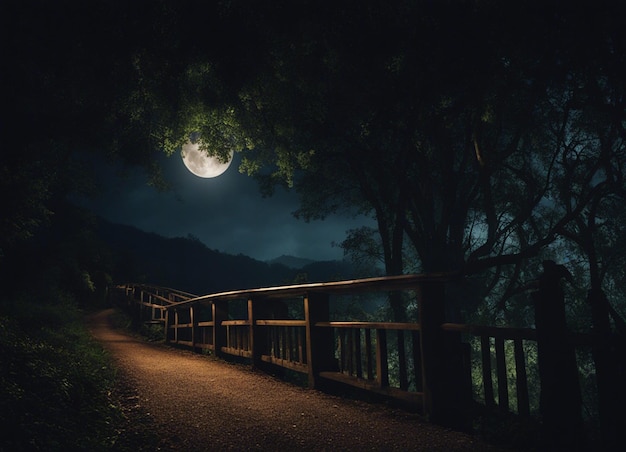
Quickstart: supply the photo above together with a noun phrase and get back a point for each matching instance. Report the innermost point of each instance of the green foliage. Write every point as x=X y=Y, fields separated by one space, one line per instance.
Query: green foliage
x=153 y=333
x=55 y=381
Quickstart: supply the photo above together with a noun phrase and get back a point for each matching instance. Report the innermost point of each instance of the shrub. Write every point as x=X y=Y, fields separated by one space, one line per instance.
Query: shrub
x=55 y=381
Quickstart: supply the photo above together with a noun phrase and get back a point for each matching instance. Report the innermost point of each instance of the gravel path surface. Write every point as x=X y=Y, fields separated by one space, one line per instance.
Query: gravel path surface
x=196 y=403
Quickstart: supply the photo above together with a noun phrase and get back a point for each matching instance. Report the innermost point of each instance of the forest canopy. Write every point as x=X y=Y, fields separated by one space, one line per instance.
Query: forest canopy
x=481 y=138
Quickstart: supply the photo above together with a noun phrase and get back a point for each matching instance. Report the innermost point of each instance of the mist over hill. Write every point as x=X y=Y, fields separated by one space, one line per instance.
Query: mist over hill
x=188 y=264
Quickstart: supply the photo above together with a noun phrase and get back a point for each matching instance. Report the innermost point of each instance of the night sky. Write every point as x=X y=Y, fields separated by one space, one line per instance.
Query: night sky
x=227 y=213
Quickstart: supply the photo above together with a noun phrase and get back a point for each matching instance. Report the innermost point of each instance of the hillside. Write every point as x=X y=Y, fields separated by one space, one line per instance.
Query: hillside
x=291 y=261
x=187 y=264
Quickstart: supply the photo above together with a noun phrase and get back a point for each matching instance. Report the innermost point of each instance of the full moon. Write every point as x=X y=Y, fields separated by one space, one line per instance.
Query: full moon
x=201 y=164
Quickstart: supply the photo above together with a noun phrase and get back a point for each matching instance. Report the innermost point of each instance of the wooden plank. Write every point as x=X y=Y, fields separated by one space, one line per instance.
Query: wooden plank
x=319 y=342
x=417 y=361
x=357 y=353
x=503 y=385
x=412 y=398
x=350 y=351
x=383 y=283
x=219 y=313
x=382 y=366
x=292 y=323
x=281 y=342
x=253 y=343
x=341 y=343
x=299 y=331
x=404 y=381
x=368 y=354
x=166 y=326
x=235 y=323
x=175 y=325
x=193 y=327
x=523 y=404
x=288 y=343
x=372 y=325
x=274 y=349
x=292 y=365
x=485 y=351
x=237 y=352
x=151 y=305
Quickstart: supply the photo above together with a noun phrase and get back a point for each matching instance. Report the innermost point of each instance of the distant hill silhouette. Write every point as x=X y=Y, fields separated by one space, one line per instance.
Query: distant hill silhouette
x=291 y=261
x=187 y=264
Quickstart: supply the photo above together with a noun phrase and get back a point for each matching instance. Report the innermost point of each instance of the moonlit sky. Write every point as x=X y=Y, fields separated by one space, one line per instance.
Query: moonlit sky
x=226 y=213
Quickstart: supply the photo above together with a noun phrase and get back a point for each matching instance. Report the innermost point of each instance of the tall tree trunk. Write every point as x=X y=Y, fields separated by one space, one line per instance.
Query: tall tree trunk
x=610 y=411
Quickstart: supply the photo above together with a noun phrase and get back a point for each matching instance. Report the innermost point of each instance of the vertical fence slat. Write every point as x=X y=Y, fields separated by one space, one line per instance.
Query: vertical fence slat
x=368 y=354
x=350 y=351
x=175 y=326
x=219 y=312
x=300 y=354
x=357 y=353
x=523 y=404
x=193 y=321
x=503 y=387
x=404 y=381
x=485 y=352
x=417 y=361
x=382 y=366
x=167 y=326
x=288 y=334
x=341 y=345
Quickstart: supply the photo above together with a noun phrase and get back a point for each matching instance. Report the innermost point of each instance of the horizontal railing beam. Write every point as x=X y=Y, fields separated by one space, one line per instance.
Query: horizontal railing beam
x=383 y=283
x=235 y=322
x=281 y=323
x=371 y=325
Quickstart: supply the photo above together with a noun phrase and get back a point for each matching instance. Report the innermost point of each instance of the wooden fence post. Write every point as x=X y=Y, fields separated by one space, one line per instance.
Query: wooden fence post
x=176 y=323
x=445 y=393
x=320 y=342
x=382 y=366
x=219 y=310
x=140 y=309
x=166 y=326
x=194 y=327
x=560 y=398
x=254 y=340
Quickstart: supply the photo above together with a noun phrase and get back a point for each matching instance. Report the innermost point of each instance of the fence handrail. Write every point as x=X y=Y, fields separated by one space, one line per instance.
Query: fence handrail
x=382 y=283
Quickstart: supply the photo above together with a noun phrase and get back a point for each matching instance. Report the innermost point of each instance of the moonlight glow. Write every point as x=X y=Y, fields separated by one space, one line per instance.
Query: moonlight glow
x=201 y=164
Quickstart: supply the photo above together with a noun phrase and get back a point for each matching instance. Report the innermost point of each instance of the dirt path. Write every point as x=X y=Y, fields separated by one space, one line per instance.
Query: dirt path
x=196 y=403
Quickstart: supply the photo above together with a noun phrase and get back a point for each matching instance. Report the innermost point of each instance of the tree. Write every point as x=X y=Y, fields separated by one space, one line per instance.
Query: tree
x=444 y=121
x=592 y=174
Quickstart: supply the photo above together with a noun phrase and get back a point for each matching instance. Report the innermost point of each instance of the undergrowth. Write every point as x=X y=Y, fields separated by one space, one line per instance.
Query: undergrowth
x=55 y=380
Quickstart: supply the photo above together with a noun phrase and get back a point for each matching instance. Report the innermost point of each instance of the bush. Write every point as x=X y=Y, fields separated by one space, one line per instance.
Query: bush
x=55 y=381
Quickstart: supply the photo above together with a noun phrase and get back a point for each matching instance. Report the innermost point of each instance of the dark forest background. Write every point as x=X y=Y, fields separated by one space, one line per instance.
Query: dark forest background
x=483 y=139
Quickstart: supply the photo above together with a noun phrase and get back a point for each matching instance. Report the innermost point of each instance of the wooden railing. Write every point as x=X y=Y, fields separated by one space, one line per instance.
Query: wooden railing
x=499 y=336
x=424 y=363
